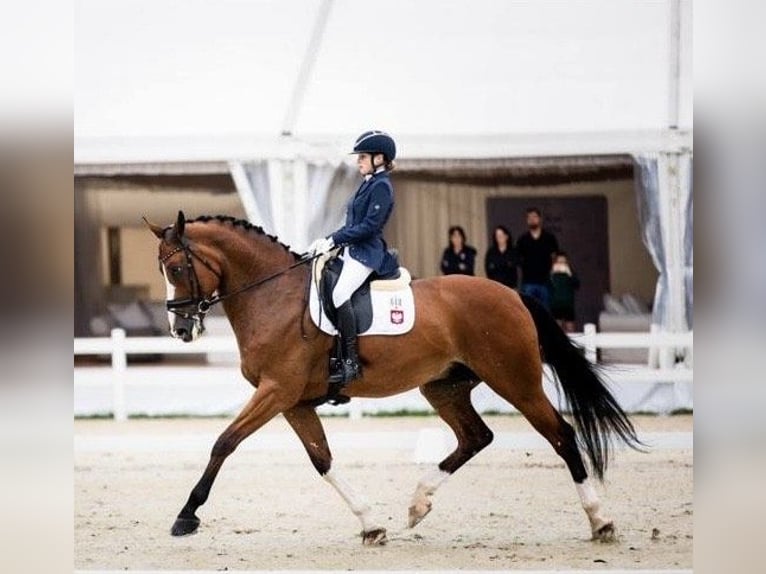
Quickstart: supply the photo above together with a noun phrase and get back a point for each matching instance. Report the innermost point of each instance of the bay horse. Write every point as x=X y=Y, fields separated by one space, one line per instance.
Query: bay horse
x=467 y=330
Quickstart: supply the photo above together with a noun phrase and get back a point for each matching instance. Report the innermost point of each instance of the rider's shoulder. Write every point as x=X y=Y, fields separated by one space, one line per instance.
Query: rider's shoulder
x=381 y=182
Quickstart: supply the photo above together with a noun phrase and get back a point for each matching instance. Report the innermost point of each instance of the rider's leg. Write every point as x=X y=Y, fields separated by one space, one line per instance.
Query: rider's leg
x=351 y=278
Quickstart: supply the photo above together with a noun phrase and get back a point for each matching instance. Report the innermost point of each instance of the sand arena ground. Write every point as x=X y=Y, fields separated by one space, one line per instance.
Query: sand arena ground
x=512 y=507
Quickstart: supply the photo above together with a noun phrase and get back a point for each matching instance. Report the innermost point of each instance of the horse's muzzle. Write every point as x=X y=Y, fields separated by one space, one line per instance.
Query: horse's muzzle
x=184 y=334
x=187 y=329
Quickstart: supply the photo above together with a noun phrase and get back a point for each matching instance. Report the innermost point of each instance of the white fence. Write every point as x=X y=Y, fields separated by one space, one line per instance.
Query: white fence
x=662 y=346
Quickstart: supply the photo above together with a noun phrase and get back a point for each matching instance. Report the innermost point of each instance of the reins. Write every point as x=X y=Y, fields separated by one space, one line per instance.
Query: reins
x=305 y=258
x=203 y=304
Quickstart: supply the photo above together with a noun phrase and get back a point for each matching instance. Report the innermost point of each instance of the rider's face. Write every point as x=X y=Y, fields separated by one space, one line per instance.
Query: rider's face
x=364 y=163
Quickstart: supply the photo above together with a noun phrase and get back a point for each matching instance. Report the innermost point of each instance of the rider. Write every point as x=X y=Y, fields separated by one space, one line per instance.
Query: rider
x=364 y=250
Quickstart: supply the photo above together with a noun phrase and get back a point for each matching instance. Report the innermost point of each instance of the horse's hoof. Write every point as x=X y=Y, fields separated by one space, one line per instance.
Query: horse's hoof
x=184 y=526
x=606 y=533
x=375 y=537
x=418 y=512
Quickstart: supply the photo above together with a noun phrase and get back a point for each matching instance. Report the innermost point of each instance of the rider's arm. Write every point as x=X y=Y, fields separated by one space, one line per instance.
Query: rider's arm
x=381 y=202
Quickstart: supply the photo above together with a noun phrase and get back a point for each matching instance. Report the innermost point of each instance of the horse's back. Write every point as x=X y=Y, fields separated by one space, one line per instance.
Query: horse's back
x=461 y=294
x=473 y=310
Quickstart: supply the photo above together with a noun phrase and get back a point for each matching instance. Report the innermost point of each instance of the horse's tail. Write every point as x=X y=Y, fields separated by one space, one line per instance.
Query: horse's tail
x=596 y=413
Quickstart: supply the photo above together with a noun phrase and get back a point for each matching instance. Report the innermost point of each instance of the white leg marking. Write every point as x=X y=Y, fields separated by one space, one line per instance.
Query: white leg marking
x=358 y=504
x=591 y=504
x=170 y=293
x=421 y=505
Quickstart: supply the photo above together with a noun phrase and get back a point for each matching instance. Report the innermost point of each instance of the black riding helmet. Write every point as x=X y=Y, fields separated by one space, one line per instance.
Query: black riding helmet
x=376 y=141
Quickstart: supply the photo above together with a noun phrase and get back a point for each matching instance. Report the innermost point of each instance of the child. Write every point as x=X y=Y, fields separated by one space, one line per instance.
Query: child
x=564 y=283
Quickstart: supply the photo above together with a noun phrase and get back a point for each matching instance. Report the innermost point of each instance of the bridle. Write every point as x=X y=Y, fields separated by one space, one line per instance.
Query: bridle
x=196 y=306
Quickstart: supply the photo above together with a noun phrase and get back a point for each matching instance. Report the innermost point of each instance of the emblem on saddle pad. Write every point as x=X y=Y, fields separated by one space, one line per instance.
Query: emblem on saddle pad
x=383 y=307
x=397 y=312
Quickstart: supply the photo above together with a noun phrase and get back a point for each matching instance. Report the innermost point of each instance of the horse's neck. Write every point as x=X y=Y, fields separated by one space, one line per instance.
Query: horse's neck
x=247 y=260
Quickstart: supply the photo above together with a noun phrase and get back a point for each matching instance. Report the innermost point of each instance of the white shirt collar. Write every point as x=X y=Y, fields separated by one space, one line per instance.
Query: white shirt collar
x=368 y=177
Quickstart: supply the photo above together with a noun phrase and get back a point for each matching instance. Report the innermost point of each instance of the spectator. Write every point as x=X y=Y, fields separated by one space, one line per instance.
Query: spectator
x=500 y=261
x=564 y=283
x=458 y=258
x=535 y=250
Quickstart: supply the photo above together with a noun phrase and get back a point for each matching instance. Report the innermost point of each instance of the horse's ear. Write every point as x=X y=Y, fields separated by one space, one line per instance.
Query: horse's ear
x=156 y=229
x=178 y=228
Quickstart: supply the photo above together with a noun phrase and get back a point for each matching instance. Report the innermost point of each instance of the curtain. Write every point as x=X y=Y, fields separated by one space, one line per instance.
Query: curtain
x=253 y=182
x=296 y=200
x=687 y=196
x=663 y=185
x=330 y=188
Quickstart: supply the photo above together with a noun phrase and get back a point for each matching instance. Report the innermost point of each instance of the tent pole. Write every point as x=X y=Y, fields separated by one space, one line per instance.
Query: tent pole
x=307 y=65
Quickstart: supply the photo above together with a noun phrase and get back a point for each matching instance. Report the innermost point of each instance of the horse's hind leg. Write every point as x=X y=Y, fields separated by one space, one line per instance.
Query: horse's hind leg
x=306 y=424
x=451 y=398
x=548 y=422
x=537 y=409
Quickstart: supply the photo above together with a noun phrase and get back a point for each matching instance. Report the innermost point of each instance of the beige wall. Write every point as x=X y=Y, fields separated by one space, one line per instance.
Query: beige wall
x=124 y=207
x=418 y=228
x=424 y=211
x=139 y=261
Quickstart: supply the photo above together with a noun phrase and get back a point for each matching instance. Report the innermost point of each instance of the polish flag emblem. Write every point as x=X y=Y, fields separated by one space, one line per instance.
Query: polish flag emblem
x=397 y=317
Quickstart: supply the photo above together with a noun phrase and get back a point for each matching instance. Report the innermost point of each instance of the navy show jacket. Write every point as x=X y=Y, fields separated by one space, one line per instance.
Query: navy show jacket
x=366 y=215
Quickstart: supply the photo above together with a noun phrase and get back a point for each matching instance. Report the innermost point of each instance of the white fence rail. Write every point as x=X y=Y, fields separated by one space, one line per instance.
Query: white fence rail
x=119 y=346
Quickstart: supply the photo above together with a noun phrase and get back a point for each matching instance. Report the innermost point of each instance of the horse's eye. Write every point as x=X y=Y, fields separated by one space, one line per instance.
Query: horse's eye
x=176 y=271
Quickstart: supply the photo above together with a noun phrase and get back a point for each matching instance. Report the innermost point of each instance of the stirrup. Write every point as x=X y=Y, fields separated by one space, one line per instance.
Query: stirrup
x=347 y=371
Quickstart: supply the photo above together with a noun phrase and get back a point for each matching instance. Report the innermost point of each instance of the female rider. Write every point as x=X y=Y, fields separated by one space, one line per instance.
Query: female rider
x=363 y=248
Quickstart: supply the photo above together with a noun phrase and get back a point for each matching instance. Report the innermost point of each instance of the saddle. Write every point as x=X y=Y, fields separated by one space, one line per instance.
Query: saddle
x=361 y=300
x=383 y=305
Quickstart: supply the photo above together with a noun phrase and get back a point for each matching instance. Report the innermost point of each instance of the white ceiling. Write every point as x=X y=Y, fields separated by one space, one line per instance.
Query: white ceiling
x=202 y=73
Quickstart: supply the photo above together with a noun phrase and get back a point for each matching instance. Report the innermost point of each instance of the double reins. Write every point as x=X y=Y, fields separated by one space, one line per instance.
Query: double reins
x=305 y=258
x=203 y=304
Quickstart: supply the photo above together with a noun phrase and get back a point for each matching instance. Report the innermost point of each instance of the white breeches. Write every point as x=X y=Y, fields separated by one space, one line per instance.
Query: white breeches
x=351 y=278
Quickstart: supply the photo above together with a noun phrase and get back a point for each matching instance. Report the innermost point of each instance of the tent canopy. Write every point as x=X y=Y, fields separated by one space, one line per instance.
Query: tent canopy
x=171 y=80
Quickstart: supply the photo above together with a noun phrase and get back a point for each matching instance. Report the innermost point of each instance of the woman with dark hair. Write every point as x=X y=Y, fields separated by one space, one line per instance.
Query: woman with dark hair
x=458 y=258
x=500 y=260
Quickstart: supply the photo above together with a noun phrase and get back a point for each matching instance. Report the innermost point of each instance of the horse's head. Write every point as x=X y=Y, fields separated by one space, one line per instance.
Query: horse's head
x=190 y=277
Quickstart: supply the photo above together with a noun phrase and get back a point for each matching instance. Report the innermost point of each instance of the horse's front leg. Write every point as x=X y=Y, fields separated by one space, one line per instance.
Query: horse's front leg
x=265 y=404
x=306 y=424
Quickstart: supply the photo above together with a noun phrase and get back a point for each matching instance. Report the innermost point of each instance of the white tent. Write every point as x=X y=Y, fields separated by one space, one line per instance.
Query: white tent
x=273 y=91
x=461 y=78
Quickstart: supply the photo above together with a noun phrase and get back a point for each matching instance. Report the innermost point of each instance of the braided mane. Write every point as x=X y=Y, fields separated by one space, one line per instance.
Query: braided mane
x=245 y=225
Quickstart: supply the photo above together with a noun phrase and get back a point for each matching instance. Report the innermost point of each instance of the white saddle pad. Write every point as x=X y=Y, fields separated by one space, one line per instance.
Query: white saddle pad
x=393 y=306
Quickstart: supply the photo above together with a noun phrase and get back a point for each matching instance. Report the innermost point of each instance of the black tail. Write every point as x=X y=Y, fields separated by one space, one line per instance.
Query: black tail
x=597 y=415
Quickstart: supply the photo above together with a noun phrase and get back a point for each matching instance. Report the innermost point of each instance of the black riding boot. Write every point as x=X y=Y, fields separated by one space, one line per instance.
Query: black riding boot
x=350 y=368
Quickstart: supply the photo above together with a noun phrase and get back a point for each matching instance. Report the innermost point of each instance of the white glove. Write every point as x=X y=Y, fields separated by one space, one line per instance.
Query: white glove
x=321 y=246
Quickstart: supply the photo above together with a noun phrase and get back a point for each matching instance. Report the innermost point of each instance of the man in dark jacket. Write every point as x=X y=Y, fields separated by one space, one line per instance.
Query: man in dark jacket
x=364 y=249
x=535 y=250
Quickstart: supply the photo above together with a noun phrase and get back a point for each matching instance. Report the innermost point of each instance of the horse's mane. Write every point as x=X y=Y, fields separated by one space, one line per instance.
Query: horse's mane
x=243 y=224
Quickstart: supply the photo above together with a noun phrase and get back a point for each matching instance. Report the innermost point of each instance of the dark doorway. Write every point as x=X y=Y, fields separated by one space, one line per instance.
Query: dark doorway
x=580 y=225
